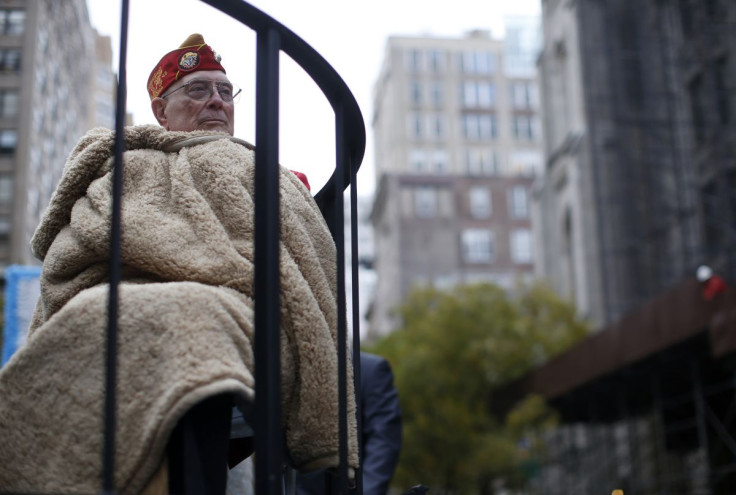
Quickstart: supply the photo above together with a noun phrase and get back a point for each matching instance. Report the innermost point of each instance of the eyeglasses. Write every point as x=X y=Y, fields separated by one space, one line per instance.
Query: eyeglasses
x=202 y=89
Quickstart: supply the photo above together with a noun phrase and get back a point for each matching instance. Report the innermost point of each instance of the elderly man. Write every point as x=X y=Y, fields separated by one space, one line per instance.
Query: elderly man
x=185 y=326
x=190 y=91
x=195 y=95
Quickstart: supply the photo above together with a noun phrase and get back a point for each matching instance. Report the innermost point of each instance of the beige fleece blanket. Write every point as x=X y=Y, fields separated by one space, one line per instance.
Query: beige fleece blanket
x=186 y=313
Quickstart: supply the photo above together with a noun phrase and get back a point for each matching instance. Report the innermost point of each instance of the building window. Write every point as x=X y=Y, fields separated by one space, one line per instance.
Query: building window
x=524 y=127
x=479 y=127
x=104 y=112
x=478 y=94
x=8 y=141
x=481 y=161
x=104 y=78
x=441 y=161
x=477 y=245
x=6 y=190
x=436 y=61
x=519 y=202
x=413 y=60
x=478 y=63
x=468 y=95
x=12 y=21
x=421 y=161
x=437 y=126
x=525 y=162
x=471 y=127
x=486 y=95
x=416 y=126
x=42 y=83
x=480 y=202
x=415 y=93
x=418 y=161
x=437 y=94
x=521 y=246
x=523 y=95
x=43 y=40
x=9 y=60
x=8 y=103
x=425 y=202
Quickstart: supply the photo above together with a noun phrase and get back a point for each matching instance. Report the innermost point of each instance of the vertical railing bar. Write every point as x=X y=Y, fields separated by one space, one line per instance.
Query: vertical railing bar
x=108 y=455
x=268 y=438
x=354 y=264
x=340 y=159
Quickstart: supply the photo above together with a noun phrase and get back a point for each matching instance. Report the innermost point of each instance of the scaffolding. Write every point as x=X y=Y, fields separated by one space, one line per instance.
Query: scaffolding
x=660 y=158
x=663 y=426
x=647 y=405
x=660 y=171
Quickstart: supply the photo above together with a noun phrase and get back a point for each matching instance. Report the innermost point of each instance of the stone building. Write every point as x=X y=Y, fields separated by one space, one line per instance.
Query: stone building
x=637 y=192
x=639 y=140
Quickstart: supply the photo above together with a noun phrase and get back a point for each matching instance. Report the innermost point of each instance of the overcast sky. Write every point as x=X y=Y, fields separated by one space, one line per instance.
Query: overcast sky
x=350 y=35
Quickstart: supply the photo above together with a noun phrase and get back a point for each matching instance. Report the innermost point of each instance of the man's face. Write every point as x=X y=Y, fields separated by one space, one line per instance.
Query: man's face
x=179 y=112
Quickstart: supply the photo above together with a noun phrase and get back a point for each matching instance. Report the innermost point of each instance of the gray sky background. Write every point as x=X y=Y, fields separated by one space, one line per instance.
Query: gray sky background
x=350 y=35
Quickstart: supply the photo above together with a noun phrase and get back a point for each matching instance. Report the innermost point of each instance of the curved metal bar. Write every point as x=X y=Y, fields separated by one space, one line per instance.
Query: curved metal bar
x=354 y=257
x=322 y=73
x=339 y=233
x=273 y=37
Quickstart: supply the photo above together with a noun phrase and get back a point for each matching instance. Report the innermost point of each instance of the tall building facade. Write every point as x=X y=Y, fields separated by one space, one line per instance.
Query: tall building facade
x=103 y=85
x=457 y=145
x=47 y=76
x=639 y=134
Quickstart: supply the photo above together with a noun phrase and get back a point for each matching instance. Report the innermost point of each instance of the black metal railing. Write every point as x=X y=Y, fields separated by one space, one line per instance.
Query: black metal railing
x=272 y=38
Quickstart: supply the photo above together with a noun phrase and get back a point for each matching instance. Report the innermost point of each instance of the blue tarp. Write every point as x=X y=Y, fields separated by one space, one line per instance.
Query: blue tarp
x=22 y=288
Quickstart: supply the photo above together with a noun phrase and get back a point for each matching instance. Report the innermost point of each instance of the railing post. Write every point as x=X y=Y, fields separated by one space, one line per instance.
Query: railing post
x=340 y=161
x=108 y=453
x=355 y=286
x=268 y=438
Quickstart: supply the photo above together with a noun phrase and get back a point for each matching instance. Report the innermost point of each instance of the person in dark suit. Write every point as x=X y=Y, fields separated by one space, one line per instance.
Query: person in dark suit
x=381 y=431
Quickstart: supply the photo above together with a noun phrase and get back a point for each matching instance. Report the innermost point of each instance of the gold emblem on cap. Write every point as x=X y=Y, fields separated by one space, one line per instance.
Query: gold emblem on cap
x=157 y=82
x=189 y=60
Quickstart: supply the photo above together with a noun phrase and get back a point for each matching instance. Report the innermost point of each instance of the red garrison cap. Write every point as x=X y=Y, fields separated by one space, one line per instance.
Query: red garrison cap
x=193 y=55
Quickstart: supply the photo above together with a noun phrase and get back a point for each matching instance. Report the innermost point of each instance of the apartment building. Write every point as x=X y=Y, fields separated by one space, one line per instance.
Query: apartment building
x=457 y=146
x=51 y=86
